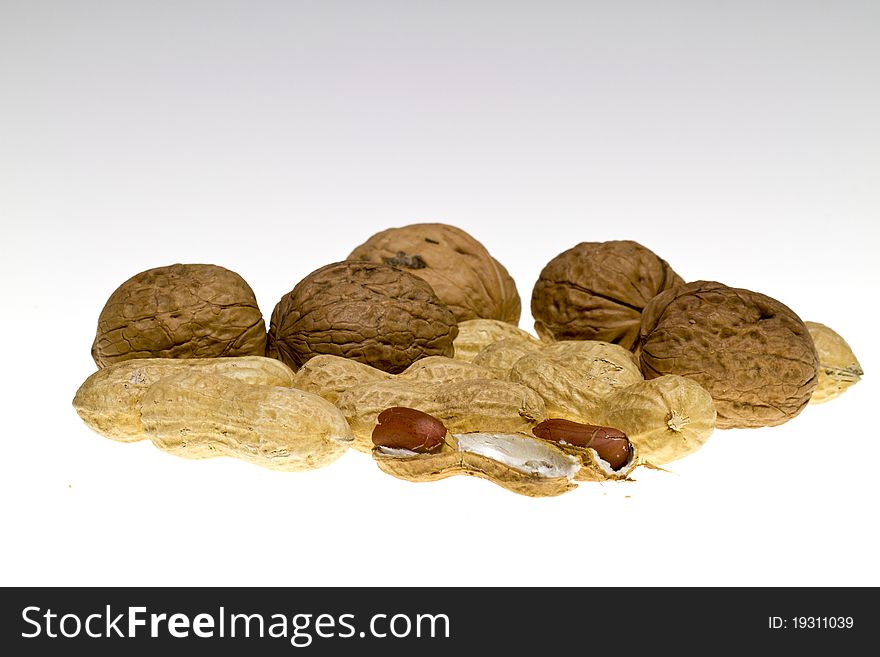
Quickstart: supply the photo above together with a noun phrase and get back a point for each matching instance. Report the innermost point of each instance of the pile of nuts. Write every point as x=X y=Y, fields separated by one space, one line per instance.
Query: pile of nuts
x=409 y=350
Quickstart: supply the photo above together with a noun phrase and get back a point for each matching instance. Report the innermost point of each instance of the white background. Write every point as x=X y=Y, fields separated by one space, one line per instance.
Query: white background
x=740 y=141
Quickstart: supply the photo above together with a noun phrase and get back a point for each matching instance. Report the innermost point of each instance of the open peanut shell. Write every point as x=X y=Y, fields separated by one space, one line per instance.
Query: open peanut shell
x=594 y=468
x=518 y=462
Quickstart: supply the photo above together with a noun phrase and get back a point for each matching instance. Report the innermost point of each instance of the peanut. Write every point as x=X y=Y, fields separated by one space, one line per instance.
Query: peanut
x=406 y=428
x=667 y=418
x=574 y=377
x=201 y=415
x=610 y=444
x=330 y=376
x=109 y=400
x=500 y=356
x=474 y=335
x=838 y=366
x=441 y=369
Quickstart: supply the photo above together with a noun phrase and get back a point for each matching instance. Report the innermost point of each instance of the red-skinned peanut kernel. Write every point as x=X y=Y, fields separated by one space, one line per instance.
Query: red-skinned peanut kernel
x=610 y=444
x=407 y=428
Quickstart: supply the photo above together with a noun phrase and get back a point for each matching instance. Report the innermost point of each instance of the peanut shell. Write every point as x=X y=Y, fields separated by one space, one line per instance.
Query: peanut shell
x=486 y=463
x=199 y=415
x=667 y=418
x=463 y=406
x=109 y=400
x=838 y=367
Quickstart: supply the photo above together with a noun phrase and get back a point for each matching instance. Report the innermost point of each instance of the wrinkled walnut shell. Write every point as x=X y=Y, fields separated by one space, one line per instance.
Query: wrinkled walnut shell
x=597 y=290
x=752 y=353
x=458 y=267
x=374 y=314
x=180 y=311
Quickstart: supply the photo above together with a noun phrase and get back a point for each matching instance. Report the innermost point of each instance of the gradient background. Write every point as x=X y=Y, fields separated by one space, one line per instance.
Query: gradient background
x=740 y=141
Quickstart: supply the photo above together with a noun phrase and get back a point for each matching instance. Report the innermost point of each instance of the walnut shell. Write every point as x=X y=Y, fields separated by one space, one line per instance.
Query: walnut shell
x=180 y=311
x=752 y=353
x=459 y=268
x=374 y=314
x=597 y=290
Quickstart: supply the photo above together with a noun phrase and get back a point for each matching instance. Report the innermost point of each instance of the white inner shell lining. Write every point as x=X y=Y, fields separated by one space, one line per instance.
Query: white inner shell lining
x=520 y=453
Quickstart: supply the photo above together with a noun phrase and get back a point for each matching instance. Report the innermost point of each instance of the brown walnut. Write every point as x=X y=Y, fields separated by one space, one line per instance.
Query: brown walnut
x=180 y=311
x=597 y=290
x=752 y=353
x=372 y=313
x=459 y=268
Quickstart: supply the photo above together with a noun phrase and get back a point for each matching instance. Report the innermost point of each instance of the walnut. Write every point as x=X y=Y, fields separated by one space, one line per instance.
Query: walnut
x=463 y=274
x=372 y=313
x=596 y=291
x=752 y=353
x=180 y=311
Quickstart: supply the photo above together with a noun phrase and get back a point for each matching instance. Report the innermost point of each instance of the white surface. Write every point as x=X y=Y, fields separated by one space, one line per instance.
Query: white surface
x=738 y=140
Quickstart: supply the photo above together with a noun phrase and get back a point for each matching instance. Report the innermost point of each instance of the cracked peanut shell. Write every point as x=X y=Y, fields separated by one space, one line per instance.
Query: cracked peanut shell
x=752 y=353
x=518 y=462
x=459 y=268
x=180 y=311
x=463 y=406
x=372 y=313
x=597 y=290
